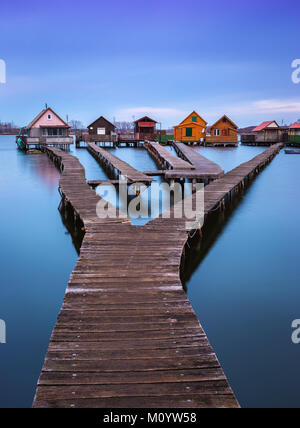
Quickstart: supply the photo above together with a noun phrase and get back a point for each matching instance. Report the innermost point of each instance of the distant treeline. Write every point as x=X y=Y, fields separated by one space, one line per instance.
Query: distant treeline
x=8 y=128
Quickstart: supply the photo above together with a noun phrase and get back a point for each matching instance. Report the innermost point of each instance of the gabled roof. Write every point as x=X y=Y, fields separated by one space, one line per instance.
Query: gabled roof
x=295 y=125
x=101 y=117
x=194 y=113
x=264 y=125
x=42 y=113
x=229 y=120
x=148 y=119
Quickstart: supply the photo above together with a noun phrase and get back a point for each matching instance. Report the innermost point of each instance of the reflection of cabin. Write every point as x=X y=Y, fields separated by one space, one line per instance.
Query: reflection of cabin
x=101 y=127
x=191 y=129
x=47 y=129
x=223 y=132
x=294 y=133
x=145 y=129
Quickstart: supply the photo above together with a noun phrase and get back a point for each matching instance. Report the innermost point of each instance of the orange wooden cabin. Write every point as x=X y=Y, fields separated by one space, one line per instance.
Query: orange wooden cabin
x=224 y=131
x=191 y=129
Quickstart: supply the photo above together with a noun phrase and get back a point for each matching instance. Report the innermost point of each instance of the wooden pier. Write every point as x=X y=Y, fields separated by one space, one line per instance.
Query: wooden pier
x=84 y=139
x=204 y=169
x=165 y=158
x=190 y=165
x=38 y=143
x=127 y=336
x=220 y=193
x=123 y=168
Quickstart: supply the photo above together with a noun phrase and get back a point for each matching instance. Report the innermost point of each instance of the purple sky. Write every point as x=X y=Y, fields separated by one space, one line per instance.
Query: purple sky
x=165 y=58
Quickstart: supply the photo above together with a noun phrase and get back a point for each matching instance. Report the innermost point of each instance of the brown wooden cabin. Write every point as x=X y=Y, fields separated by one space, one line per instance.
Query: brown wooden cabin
x=101 y=127
x=267 y=132
x=145 y=129
x=224 y=131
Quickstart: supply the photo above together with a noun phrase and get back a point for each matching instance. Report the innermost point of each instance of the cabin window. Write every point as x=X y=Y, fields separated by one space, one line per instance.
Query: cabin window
x=194 y=118
x=224 y=120
x=216 y=132
x=52 y=132
x=101 y=131
x=91 y=128
x=49 y=117
x=189 y=132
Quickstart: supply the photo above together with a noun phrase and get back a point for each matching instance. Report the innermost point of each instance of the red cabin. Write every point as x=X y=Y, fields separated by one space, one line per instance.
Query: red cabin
x=145 y=128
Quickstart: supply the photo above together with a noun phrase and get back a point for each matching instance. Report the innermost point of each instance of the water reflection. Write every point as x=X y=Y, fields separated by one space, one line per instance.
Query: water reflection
x=37 y=257
x=243 y=282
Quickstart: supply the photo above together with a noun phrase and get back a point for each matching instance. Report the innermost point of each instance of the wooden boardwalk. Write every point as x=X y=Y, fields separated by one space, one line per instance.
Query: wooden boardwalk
x=127 y=336
x=123 y=168
x=204 y=168
x=166 y=158
x=219 y=193
x=189 y=165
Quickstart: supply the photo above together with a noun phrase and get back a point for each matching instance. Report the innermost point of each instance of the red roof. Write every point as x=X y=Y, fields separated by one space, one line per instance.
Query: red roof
x=146 y=124
x=295 y=125
x=262 y=126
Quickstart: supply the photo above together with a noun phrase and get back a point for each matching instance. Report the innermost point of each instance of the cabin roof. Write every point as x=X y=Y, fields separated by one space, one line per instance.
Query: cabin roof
x=101 y=117
x=226 y=117
x=42 y=113
x=295 y=125
x=148 y=119
x=264 y=125
x=194 y=123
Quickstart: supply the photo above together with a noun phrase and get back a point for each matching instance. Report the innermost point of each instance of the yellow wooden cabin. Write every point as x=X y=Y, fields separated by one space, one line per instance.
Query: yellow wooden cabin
x=223 y=132
x=191 y=129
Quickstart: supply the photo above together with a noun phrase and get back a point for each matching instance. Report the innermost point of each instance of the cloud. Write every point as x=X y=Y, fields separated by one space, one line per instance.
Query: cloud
x=267 y=107
x=277 y=106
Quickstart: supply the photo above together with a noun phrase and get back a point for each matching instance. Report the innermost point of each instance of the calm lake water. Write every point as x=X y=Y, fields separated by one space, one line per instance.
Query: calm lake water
x=243 y=280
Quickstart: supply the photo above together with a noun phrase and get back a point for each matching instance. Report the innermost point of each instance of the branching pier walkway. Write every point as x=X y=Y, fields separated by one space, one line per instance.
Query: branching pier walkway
x=219 y=193
x=123 y=168
x=126 y=335
x=204 y=168
x=189 y=165
x=166 y=159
